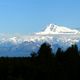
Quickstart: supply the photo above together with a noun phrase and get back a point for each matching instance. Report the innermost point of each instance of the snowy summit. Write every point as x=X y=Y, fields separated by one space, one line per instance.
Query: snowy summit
x=55 y=29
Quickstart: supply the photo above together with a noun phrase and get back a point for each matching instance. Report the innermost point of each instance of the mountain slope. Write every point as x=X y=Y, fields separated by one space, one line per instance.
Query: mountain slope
x=55 y=29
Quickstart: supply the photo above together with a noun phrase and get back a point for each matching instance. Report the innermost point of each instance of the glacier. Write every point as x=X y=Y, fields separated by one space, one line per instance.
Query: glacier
x=24 y=45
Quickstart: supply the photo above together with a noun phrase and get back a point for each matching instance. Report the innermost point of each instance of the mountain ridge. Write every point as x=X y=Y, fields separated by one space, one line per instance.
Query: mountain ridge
x=55 y=29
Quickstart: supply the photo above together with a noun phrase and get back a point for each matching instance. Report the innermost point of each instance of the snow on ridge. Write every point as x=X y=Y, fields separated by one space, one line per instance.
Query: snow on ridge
x=55 y=29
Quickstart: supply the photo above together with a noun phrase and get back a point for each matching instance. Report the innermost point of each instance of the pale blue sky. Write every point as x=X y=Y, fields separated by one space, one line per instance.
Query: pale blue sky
x=28 y=16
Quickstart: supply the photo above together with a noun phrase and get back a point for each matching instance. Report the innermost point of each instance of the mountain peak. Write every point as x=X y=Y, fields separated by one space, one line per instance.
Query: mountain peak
x=55 y=29
x=51 y=27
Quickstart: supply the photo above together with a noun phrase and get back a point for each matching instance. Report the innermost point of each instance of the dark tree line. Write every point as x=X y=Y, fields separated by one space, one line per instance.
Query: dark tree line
x=43 y=65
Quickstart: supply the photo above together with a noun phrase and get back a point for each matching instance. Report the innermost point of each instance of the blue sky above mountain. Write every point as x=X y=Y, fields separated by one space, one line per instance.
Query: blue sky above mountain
x=28 y=16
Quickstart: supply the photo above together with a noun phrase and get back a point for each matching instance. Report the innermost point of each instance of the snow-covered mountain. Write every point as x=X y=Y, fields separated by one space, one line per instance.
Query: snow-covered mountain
x=55 y=29
x=57 y=36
